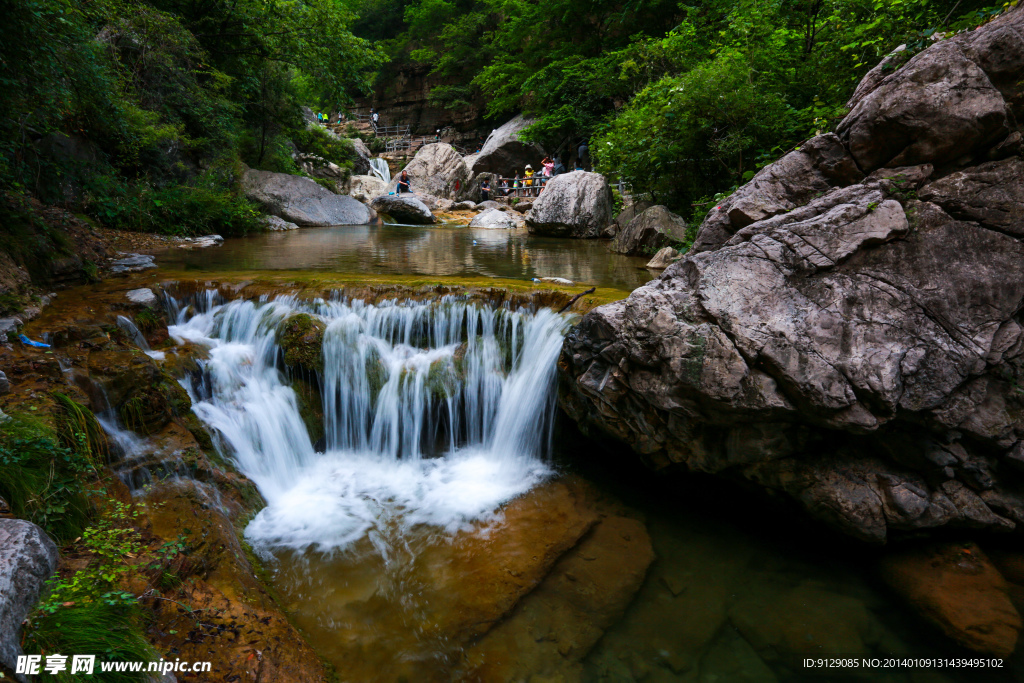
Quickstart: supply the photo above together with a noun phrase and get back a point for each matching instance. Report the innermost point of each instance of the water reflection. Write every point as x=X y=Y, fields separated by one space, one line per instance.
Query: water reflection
x=418 y=250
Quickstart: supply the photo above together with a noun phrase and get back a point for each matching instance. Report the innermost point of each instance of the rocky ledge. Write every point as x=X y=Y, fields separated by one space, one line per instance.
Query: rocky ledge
x=847 y=330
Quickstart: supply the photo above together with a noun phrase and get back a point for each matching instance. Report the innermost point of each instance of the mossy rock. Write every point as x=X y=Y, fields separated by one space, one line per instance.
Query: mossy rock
x=301 y=338
x=444 y=378
x=311 y=407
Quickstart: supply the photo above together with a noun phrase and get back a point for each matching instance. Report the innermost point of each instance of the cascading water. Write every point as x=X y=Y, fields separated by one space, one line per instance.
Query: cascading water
x=434 y=413
x=379 y=167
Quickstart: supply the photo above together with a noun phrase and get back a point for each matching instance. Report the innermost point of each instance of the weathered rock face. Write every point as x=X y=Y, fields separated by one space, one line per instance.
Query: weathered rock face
x=577 y=204
x=663 y=259
x=436 y=169
x=503 y=153
x=792 y=181
x=278 y=224
x=650 y=231
x=366 y=188
x=363 y=155
x=27 y=559
x=302 y=201
x=857 y=350
x=404 y=209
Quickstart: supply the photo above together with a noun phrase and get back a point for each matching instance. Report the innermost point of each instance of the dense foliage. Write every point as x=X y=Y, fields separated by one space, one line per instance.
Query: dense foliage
x=682 y=99
x=140 y=112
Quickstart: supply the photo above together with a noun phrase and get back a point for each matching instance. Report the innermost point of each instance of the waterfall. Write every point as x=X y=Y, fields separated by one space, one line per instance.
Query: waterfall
x=379 y=167
x=434 y=413
x=128 y=327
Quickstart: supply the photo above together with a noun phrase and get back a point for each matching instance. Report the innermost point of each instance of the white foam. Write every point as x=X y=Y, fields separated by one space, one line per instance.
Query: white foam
x=382 y=467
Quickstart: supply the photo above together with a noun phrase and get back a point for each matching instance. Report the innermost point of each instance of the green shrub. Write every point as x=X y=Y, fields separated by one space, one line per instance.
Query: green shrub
x=318 y=142
x=43 y=480
x=111 y=630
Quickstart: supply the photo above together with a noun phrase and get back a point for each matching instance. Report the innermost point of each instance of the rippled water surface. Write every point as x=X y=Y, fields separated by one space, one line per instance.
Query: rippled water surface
x=416 y=250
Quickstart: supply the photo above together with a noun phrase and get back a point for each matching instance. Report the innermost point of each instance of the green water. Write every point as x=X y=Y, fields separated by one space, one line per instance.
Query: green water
x=415 y=250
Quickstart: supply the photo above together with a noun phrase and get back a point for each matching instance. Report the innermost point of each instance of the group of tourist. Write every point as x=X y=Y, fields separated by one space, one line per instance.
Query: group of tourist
x=531 y=183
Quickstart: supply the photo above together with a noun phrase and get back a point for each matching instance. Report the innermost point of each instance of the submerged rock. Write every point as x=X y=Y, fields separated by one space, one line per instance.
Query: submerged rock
x=840 y=340
x=577 y=204
x=27 y=559
x=404 y=209
x=955 y=586
x=555 y=626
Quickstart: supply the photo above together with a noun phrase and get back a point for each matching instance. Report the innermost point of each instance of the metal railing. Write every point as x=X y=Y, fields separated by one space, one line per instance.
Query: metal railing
x=519 y=187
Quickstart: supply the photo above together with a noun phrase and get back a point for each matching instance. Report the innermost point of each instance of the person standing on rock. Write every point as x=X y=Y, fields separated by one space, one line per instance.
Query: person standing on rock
x=403 y=183
x=374 y=119
x=485 y=190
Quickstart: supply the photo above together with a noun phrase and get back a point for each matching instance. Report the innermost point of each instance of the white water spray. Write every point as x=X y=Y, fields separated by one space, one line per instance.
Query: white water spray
x=434 y=413
x=379 y=167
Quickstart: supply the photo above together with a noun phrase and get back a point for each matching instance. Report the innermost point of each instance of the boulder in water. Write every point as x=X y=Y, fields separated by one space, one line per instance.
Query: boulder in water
x=577 y=204
x=142 y=297
x=404 y=208
x=466 y=205
x=650 y=231
x=27 y=559
x=665 y=257
x=857 y=350
x=302 y=201
x=493 y=218
x=278 y=224
x=956 y=587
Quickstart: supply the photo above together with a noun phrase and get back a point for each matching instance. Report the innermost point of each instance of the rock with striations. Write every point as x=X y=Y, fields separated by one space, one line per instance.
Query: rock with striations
x=494 y=218
x=27 y=559
x=503 y=153
x=991 y=194
x=858 y=350
x=819 y=165
x=650 y=231
x=404 y=209
x=302 y=201
x=577 y=204
x=437 y=169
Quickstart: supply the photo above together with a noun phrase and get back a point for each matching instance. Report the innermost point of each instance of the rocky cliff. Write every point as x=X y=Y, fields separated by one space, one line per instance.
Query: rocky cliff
x=404 y=99
x=848 y=329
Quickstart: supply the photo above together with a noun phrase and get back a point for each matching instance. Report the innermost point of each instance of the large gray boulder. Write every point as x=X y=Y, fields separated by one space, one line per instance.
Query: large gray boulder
x=495 y=218
x=577 y=204
x=648 y=232
x=302 y=201
x=859 y=351
x=27 y=559
x=366 y=188
x=436 y=170
x=404 y=209
x=939 y=108
x=503 y=153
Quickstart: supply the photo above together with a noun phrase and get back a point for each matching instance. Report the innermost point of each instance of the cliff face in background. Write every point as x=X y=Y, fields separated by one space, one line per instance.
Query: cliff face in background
x=404 y=99
x=847 y=329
